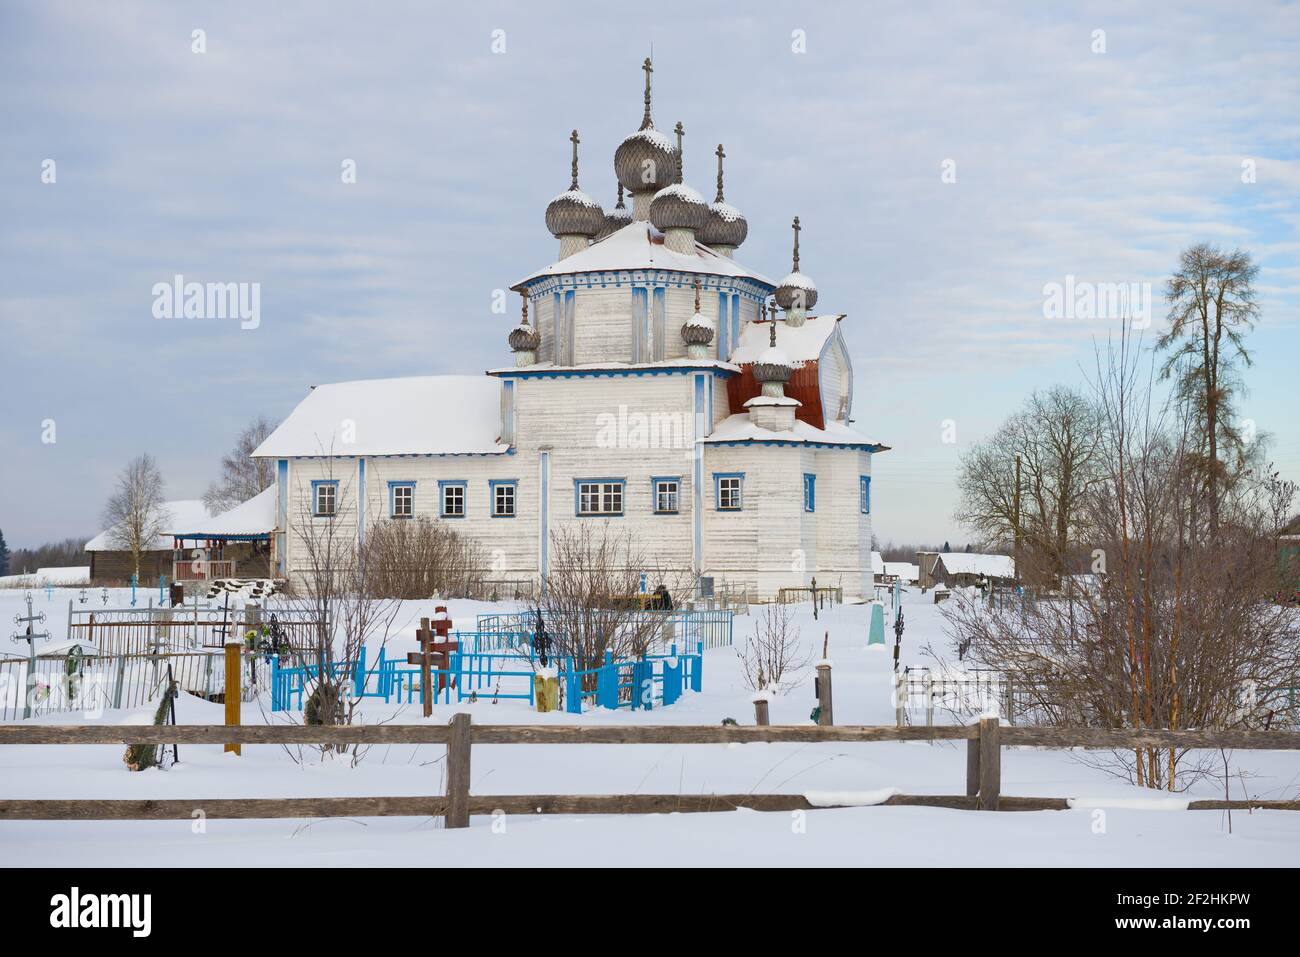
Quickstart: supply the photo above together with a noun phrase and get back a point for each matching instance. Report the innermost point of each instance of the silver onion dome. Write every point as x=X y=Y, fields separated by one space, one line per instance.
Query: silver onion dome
x=523 y=337
x=698 y=330
x=772 y=364
x=678 y=206
x=646 y=160
x=573 y=212
x=616 y=218
x=796 y=290
x=725 y=225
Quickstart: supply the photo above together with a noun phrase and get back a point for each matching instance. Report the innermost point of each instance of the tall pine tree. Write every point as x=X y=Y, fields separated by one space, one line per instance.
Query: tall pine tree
x=4 y=555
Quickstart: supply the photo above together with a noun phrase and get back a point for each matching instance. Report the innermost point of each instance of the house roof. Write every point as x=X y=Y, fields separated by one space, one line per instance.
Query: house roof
x=251 y=519
x=801 y=343
x=973 y=563
x=639 y=245
x=180 y=513
x=417 y=415
x=907 y=571
x=739 y=428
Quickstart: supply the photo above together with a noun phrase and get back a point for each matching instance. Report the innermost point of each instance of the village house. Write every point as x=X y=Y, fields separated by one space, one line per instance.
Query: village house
x=654 y=386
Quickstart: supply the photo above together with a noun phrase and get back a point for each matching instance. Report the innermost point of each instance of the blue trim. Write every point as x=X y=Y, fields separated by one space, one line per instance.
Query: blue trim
x=735 y=321
x=621 y=482
x=748 y=287
x=658 y=324
x=717 y=491
x=864 y=494
x=654 y=494
x=543 y=518
x=724 y=326
x=527 y=373
x=809 y=492
x=640 y=322
x=854 y=447
x=317 y=483
x=445 y=484
x=492 y=497
x=392 y=498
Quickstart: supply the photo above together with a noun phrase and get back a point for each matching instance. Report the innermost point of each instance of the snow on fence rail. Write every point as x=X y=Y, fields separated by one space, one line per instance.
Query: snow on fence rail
x=984 y=743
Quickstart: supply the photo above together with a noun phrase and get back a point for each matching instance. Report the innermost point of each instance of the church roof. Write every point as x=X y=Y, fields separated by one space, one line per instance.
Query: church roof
x=639 y=245
x=740 y=428
x=800 y=343
x=417 y=415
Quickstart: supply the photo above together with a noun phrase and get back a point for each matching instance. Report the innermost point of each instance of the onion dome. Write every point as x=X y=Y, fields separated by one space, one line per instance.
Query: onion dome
x=725 y=225
x=523 y=337
x=697 y=333
x=796 y=290
x=646 y=161
x=574 y=213
x=678 y=206
x=772 y=364
x=616 y=218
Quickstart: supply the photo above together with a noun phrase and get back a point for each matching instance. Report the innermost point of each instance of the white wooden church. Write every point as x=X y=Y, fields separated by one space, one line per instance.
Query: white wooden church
x=654 y=384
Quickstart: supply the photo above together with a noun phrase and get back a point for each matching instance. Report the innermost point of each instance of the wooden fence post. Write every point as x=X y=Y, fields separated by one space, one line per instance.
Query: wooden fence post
x=825 y=717
x=458 y=751
x=990 y=749
x=972 y=767
x=232 y=690
x=761 y=712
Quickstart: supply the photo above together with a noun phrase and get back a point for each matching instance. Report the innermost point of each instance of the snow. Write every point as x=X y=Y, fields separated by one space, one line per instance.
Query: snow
x=973 y=563
x=682 y=192
x=576 y=196
x=797 y=280
x=877 y=563
x=416 y=415
x=65 y=575
x=774 y=400
x=725 y=211
x=850 y=798
x=773 y=356
x=801 y=343
x=638 y=246
x=863 y=775
x=699 y=319
x=740 y=428
x=621 y=367
x=254 y=517
x=179 y=514
x=906 y=571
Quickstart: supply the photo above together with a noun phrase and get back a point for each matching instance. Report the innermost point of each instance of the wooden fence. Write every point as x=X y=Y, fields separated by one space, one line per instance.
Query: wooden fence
x=984 y=744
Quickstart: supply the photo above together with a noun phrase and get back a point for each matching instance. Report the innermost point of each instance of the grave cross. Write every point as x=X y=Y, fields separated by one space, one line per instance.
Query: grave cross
x=433 y=654
x=29 y=635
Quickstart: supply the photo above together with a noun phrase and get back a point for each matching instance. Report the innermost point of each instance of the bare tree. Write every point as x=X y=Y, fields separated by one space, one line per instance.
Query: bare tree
x=242 y=476
x=773 y=650
x=1211 y=307
x=421 y=558
x=136 y=513
x=1023 y=489
x=1176 y=629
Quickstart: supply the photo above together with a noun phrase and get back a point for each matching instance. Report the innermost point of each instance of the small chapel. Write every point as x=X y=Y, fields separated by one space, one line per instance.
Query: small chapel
x=655 y=381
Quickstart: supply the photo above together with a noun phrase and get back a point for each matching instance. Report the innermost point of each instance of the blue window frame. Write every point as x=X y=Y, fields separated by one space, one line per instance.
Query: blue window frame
x=452 y=499
x=809 y=492
x=666 y=494
x=325 y=497
x=401 y=500
x=598 y=496
x=503 y=494
x=864 y=494
x=728 y=491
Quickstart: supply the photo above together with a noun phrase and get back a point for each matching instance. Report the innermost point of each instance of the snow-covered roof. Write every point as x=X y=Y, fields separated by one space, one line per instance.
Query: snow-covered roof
x=417 y=415
x=254 y=517
x=639 y=245
x=596 y=368
x=179 y=514
x=877 y=563
x=906 y=571
x=974 y=563
x=800 y=343
x=739 y=428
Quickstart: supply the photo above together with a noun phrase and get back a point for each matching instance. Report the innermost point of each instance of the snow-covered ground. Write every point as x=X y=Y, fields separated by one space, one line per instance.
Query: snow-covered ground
x=1120 y=834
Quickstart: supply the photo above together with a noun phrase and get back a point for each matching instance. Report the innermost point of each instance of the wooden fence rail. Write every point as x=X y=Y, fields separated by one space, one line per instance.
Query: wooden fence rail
x=985 y=742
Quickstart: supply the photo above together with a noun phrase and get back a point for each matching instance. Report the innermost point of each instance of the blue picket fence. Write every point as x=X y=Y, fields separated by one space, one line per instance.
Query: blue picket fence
x=710 y=627
x=472 y=673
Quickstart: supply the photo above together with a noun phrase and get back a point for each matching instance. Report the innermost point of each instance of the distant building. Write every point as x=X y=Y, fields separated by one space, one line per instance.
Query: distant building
x=961 y=569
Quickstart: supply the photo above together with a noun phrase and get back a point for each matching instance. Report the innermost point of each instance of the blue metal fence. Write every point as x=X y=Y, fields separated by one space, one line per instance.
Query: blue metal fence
x=710 y=627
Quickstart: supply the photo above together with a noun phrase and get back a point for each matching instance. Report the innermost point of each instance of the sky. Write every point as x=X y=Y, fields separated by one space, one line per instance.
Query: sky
x=948 y=162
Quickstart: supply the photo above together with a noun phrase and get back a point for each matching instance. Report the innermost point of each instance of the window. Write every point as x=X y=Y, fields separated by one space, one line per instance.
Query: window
x=809 y=492
x=598 y=496
x=864 y=494
x=453 y=499
x=401 y=499
x=667 y=495
x=325 y=498
x=503 y=498
x=728 y=490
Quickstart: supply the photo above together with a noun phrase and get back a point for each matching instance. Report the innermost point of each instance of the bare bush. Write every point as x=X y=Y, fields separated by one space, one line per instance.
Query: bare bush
x=773 y=650
x=421 y=558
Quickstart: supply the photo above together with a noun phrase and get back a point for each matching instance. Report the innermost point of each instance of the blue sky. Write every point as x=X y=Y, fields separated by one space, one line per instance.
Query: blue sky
x=225 y=166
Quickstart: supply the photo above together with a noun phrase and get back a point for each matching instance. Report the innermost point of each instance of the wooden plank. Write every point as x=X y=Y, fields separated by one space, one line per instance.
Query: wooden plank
x=458 y=765
x=220 y=734
x=825 y=714
x=990 y=764
x=1107 y=738
x=972 y=766
x=708 y=734
x=232 y=695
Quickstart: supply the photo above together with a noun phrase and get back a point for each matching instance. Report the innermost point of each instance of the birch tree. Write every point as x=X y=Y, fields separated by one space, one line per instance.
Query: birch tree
x=136 y=513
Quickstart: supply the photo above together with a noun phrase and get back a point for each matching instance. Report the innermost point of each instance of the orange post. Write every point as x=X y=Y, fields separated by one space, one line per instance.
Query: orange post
x=232 y=689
